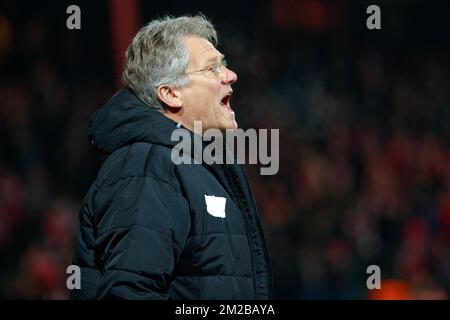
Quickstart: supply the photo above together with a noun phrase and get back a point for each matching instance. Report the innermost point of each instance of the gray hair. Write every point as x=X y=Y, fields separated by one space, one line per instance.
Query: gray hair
x=157 y=55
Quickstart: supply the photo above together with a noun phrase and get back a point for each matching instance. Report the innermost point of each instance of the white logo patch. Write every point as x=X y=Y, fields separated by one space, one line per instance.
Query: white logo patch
x=215 y=206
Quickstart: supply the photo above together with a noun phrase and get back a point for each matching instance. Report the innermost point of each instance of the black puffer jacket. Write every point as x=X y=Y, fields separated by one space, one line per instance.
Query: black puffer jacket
x=146 y=231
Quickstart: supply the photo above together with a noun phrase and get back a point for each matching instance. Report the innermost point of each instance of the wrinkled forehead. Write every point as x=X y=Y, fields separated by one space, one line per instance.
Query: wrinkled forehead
x=201 y=52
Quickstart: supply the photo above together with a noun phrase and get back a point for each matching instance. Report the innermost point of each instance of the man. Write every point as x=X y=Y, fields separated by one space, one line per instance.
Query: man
x=150 y=229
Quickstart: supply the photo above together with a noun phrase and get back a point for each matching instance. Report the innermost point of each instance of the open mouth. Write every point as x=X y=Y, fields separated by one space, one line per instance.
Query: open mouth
x=225 y=102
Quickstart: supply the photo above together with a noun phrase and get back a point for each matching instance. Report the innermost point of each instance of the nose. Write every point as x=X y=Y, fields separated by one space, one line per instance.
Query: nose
x=228 y=76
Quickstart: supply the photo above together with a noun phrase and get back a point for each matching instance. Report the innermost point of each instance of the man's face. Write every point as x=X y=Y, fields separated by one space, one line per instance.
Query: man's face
x=207 y=96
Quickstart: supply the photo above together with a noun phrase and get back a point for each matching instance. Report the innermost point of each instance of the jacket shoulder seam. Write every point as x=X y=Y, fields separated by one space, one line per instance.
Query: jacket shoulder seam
x=105 y=184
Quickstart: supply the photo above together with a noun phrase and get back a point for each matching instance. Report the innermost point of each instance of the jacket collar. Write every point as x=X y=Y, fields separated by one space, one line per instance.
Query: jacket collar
x=125 y=119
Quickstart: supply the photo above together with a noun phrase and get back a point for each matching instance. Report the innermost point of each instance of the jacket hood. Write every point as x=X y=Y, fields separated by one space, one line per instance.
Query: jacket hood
x=125 y=119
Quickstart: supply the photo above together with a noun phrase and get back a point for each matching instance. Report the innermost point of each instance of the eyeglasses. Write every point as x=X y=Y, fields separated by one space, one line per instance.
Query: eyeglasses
x=213 y=70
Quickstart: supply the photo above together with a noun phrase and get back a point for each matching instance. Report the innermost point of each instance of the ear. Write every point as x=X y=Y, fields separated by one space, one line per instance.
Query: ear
x=170 y=96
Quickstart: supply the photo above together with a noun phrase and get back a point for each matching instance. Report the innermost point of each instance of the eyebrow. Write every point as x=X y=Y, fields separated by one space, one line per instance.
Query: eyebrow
x=214 y=59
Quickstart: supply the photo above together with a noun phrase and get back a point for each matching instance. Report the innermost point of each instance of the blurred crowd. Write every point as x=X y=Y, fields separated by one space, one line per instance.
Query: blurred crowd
x=364 y=159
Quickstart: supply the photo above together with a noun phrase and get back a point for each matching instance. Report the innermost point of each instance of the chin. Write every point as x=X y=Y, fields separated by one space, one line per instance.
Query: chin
x=230 y=122
x=231 y=125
